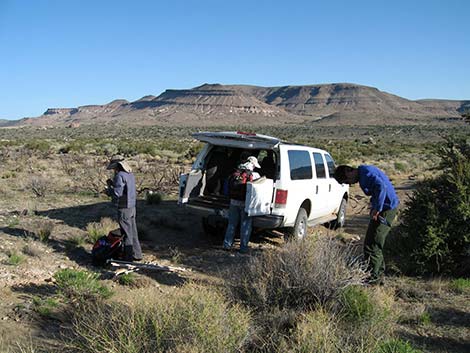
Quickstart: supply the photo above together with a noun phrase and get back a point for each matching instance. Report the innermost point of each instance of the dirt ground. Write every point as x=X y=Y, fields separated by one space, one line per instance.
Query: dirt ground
x=172 y=235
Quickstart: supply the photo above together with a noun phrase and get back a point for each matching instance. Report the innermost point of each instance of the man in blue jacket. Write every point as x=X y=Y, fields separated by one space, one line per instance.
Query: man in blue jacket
x=384 y=203
x=122 y=190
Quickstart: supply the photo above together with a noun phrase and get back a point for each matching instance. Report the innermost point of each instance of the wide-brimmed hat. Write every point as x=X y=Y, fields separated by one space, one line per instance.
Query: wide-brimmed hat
x=119 y=161
x=254 y=161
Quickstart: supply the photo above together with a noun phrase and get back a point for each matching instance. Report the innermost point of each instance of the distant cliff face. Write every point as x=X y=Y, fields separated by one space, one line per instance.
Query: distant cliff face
x=214 y=104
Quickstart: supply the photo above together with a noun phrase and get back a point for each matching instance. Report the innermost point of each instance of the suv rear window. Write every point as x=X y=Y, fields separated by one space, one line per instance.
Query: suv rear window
x=319 y=165
x=300 y=165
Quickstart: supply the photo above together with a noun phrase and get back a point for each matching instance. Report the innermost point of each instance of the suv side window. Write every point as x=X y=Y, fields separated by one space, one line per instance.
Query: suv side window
x=319 y=165
x=331 y=165
x=300 y=165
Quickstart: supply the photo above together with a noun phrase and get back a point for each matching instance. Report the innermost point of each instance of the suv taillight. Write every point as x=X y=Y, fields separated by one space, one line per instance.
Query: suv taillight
x=281 y=198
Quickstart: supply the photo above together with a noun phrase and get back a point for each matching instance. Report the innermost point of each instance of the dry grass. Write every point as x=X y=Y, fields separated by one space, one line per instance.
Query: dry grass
x=33 y=249
x=44 y=230
x=192 y=319
x=96 y=230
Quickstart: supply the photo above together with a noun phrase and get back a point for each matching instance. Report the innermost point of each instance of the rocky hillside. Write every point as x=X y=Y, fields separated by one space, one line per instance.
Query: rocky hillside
x=214 y=104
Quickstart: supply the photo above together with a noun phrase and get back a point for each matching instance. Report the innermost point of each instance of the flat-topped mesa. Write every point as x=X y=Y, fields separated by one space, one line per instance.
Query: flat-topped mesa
x=216 y=104
x=60 y=111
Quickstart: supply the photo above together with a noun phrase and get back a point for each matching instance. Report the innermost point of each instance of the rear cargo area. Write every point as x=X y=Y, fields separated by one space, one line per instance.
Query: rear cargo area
x=209 y=186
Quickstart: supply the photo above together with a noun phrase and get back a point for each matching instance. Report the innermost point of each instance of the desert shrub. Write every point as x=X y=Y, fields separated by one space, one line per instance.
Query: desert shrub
x=76 y=241
x=434 y=236
x=38 y=145
x=153 y=198
x=191 y=319
x=400 y=166
x=127 y=279
x=176 y=255
x=45 y=306
x=356 y=303
x=317 y=331
x=424 y=318
x=460 y=285
x=12 y=221
x=39 y=185
x=328 y=330
x=299 y=275
x=396 y=346
x=44 y=230
x=80 y=285
x=32 y=249
x=15 y=259
x=96 y=230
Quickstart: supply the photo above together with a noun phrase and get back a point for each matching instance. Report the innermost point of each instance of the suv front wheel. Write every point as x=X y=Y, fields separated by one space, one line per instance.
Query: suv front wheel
x=299 y=231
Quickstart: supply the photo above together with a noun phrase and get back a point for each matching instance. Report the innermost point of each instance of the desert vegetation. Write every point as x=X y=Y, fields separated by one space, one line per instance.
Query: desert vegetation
x=306 y=296
x=434 y=236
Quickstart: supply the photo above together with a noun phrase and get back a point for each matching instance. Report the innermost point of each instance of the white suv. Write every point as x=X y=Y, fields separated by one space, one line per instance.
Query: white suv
x=304 y=191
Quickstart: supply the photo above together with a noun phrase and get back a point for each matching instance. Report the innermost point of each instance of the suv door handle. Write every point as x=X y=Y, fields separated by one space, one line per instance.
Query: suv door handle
x=329 y=189
x=316 y=189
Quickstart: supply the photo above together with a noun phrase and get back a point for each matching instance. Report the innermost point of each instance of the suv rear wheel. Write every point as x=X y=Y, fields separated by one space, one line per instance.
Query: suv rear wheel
x=299 y=231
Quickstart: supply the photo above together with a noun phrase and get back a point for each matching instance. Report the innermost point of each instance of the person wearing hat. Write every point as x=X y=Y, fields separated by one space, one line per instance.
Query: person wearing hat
x=236 y=214
x=122 y=190
x=384 y=203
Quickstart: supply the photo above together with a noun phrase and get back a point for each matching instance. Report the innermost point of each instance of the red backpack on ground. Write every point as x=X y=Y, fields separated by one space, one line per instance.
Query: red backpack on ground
x=108 y=247
x=237 y=183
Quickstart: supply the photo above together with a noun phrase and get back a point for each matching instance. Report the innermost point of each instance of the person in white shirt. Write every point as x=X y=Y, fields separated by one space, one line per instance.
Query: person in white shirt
x=237 y=190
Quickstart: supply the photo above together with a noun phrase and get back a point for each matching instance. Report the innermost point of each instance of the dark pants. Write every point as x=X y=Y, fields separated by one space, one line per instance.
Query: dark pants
x=126 y=219
x=374 y=243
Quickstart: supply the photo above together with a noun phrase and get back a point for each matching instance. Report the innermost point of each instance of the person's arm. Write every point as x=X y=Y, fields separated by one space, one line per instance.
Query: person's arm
x=119 y=185
x=378 y=197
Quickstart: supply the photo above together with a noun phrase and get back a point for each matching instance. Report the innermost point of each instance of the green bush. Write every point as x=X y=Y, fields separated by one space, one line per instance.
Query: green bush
x=396 y=346
x=460 y=285
x=191 y=319
x=45 y=307
x=425 y=318
x=80 y=285
x=356 y=303
x=38 y=145
x=127 y=279
x=15 y=259
x=435 y=236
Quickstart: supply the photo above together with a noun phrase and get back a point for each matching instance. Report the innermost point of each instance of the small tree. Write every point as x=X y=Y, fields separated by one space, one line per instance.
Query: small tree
x=435 y=234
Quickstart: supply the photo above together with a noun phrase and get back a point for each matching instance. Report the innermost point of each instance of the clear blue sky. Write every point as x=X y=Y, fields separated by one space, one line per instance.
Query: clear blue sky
x=66 y=53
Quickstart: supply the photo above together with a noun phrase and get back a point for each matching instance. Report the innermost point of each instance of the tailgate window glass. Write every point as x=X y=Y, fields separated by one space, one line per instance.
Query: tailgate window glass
x=319 y=165
x=300 y=165
x=331 y=165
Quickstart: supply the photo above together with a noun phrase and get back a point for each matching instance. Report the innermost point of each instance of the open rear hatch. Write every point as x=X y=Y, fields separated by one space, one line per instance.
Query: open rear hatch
x=238 y=139
x=207 y=184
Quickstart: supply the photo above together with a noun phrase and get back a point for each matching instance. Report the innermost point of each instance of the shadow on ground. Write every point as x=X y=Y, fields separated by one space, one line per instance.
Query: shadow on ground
x=167 y=232
x=438 y=343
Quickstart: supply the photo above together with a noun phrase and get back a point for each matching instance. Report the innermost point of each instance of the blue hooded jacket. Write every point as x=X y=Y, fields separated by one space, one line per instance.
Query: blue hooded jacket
x=376 y=184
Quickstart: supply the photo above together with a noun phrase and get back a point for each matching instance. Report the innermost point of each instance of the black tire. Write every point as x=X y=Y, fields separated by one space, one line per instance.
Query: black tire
x=299 y=231
x=341 y=217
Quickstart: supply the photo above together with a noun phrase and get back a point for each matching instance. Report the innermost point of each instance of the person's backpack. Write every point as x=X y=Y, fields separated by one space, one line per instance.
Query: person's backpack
x=237 y=183
x=108 y=247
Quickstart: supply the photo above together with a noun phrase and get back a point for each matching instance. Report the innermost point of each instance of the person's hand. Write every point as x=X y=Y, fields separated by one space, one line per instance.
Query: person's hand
x=109 y=182
x=374 y=214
